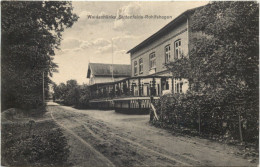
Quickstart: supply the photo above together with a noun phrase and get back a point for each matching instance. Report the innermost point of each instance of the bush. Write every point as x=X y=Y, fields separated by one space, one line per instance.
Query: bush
x=72 y=94
x=32 y=144
x=83 y=102
x=215 y=113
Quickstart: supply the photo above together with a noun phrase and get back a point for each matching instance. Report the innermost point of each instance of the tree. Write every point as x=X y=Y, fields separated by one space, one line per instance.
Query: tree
x=229 y=57
x=84 y=96
x=72 y=93
x=59 y=91
x=223 y=65
x=228 y=52
x=30 y=33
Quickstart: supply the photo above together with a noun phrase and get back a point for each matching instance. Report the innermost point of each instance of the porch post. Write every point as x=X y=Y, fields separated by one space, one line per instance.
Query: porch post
x=139 y=87
x=153 y=93
x=97 y=91
x=128 y=87
x=160 y=87
x=172 y=86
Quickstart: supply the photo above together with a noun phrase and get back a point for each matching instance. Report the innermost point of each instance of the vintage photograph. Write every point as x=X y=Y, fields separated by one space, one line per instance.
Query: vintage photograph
x=129 y=84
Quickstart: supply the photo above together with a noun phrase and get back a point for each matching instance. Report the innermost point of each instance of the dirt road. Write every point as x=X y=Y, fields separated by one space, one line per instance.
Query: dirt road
x=106 y=138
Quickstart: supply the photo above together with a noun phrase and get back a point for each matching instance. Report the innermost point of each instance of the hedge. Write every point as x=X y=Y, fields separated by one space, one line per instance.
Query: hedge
x=211 y=114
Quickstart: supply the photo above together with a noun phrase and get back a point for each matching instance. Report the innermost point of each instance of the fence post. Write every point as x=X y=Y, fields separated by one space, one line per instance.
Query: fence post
x=151 y=112
x=199 y=121
x=240 y=129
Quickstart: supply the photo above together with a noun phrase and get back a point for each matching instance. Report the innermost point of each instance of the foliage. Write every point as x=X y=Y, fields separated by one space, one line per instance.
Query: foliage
x=30 y=33
x=72 y=94
x=226 y=52
x=180 y=68
x=216 y=116
x=222 y=70
x=44 y=146
x=68 y=92
x=84 y=96
x=59 y=91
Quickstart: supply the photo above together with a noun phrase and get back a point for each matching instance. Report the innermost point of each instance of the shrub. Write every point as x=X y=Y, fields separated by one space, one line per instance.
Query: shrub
x=215 y=113
x=33 y=145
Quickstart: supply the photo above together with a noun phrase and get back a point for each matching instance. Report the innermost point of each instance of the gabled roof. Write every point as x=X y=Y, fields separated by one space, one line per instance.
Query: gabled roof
x=105 y=70
x=163 y=30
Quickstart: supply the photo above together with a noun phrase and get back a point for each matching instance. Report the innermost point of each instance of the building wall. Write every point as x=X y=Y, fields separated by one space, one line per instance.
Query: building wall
x=158 y=46
x=91 y=79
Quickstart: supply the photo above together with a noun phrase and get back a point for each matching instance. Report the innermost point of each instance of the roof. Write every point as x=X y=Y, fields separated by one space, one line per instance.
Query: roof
x=105 y=70
x=163 y=30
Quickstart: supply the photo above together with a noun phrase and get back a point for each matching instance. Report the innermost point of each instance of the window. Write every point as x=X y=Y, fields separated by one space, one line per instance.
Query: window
x=152 y=60
x=167 y=53
x=167 y=85
x=141 y=66
x=177 y=48
x=178 y=86
x=135 y=67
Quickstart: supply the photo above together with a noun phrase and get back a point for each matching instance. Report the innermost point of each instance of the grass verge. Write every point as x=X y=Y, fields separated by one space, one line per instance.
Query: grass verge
x=33 y=143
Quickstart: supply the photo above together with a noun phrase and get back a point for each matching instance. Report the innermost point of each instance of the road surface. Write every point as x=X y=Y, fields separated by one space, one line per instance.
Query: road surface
x=106 y=138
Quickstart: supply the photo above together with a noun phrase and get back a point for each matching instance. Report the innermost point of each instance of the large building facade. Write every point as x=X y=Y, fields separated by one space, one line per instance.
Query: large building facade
x=170 y=43
x=149 y=75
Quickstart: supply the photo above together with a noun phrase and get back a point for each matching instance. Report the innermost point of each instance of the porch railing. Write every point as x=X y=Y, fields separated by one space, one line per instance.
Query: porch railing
x=130 y=87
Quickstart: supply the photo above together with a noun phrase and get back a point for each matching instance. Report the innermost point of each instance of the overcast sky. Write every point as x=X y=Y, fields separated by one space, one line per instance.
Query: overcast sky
x=90 y=40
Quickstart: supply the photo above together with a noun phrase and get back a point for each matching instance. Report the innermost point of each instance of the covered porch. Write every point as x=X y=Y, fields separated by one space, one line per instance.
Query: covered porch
x=141 y=86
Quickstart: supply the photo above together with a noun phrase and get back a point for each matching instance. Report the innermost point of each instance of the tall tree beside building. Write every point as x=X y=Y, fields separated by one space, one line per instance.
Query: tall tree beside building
x=228 y=54
x=225 y=61
x=30 y=33
x=223 y=67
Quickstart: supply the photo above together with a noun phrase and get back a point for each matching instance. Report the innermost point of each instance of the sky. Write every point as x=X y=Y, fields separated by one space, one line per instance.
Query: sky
x=97 y=40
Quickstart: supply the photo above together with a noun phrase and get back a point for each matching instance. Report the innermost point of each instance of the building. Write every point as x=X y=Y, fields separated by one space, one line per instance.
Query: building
x=172 y=42
x=104 y=73
x=149 y=75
